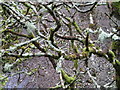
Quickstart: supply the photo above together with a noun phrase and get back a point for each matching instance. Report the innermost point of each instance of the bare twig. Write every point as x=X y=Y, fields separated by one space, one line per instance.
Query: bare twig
x=98 y=86
x=85 y=11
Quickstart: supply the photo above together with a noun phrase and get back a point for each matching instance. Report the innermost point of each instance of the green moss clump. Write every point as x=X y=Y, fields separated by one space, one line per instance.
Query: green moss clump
x=111 y=56
x=67 y=78
x=116 y=9
x=116 y=6
x=116 y=46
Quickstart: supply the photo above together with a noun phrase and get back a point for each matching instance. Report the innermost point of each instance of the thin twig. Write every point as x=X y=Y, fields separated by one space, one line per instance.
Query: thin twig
x=98 y=86
x=111 y=19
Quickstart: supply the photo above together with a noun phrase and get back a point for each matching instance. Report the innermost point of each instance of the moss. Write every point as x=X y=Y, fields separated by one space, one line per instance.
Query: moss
x=111 y=54
x=117 y=62
x=116 y=6
x=67 y=78
x=72 y=56
x=75 y=64
x=116 y=46
x=85 y=54
x=92 y=26
x=116 y=9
